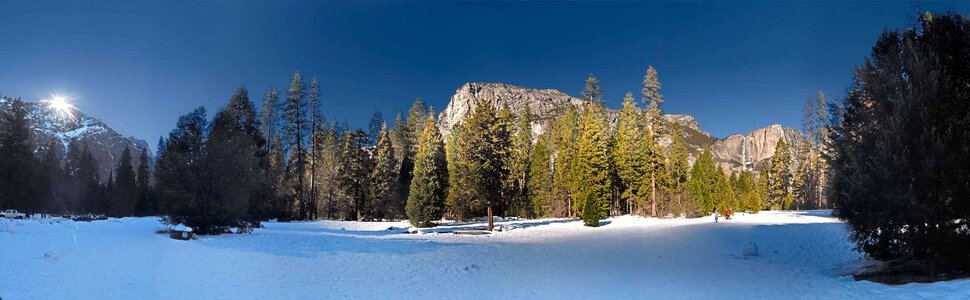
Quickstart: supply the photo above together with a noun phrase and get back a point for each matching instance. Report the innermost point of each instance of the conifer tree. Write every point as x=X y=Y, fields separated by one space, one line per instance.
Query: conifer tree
x=316 y=119
x=631 y=163
x=17 y=160
x=592 y=167
x=780 y=177
x=480 y=159
x=679 y=168
x=297 y=128
x=521 y=149
x=428 y=189
x=655 y=160
x=145 y=205
x=565 y=137
x=269 y=118
x=702 y=183
x=50 y=180
x=125 y=189
x=383 y=181
x=540 y=179
x=592 y=92
x=355 y=178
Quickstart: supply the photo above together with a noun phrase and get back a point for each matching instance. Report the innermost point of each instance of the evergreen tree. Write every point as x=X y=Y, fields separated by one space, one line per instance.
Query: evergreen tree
x=592 y=92
x=631 y=163
x=383 y=181
x=655 y=160
x=355 y=178
x=428 y=189
x=125 y=186
x=17 y=161
x=269 y=116
x=296 y=131
x=702 y=182
x=330 y=154
x=679 y=169
x=375 y=126
x=50 y=180
x=900 y=150
x=540 y=179
x=145 y=205
x=780 y=177
x=316 y=119
x=565 y=137
x=181 y=167
x=592 y=167
x=521 y=149
x=480 y=157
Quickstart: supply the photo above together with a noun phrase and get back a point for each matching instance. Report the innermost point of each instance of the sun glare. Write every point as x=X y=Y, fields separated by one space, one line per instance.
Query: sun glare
x=62 y=105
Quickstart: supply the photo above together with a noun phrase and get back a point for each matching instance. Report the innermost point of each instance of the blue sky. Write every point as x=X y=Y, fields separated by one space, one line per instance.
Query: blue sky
x=735 y=66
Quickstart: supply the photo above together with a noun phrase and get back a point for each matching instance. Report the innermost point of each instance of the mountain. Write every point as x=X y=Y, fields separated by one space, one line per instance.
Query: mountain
x=546 y=104
x=106 y=145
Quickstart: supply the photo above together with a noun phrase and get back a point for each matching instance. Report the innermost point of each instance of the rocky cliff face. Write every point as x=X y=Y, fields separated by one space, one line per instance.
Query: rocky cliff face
x=105 y=143
x=544 y=104
x=731 y=152
x=738 y=152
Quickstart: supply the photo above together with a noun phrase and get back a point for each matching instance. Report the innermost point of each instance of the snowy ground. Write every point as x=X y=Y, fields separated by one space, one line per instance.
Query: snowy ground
x=802 y=255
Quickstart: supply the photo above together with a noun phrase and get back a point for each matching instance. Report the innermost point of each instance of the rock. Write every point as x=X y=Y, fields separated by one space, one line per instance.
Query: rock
x=739 y=152
x=544 y=104
x=750 y=250
x=732 y=153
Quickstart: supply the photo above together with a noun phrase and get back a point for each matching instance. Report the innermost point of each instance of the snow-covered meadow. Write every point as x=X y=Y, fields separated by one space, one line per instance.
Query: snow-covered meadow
x=801 y=255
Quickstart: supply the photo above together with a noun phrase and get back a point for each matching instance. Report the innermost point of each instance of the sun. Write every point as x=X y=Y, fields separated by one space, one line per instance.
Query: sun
x=61 y=105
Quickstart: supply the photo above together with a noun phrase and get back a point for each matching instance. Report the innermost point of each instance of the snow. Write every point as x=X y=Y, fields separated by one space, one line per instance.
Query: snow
x=801 y=255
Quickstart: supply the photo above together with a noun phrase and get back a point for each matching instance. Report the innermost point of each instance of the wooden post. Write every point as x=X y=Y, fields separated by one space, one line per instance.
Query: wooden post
x=490 y=225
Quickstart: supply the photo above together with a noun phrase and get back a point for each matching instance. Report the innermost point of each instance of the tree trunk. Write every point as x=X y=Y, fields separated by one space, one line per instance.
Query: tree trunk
x=653 y=195
x=490 y=225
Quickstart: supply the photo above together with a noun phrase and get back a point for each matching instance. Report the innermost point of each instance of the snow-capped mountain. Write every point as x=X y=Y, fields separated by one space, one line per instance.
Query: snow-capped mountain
x=54 y=127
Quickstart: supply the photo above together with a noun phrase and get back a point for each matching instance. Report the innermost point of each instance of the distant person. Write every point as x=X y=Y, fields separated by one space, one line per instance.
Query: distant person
x=715 y=214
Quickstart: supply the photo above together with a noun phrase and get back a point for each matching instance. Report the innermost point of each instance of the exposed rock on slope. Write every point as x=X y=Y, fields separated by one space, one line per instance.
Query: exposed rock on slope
x=104 y=142
x=544 y=104
x=752 y=150
x=548 y=103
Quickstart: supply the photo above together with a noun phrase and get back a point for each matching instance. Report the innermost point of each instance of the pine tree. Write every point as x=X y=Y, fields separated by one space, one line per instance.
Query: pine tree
x=565 y=137
x=354 y=179
x=679 y=168
x=375 y=126
x=50 y=180
x=480 y=157
x=540 y=181
x=125 y=189
x=17 y=160
x=145 y=205
x=428 y=189
x=180 y=168
x=383 y=181
x=592 y=92
x=592 y=167
x=780 y=177
x=702 y=182
x=655 y=160
x=316 y=119
x=269 y=116
x=521 y=150
x=295 y=138
x=407 y=134
x=631 y=164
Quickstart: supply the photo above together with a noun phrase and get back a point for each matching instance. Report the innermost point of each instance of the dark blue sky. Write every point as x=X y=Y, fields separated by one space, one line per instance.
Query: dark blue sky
x=736 y=66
